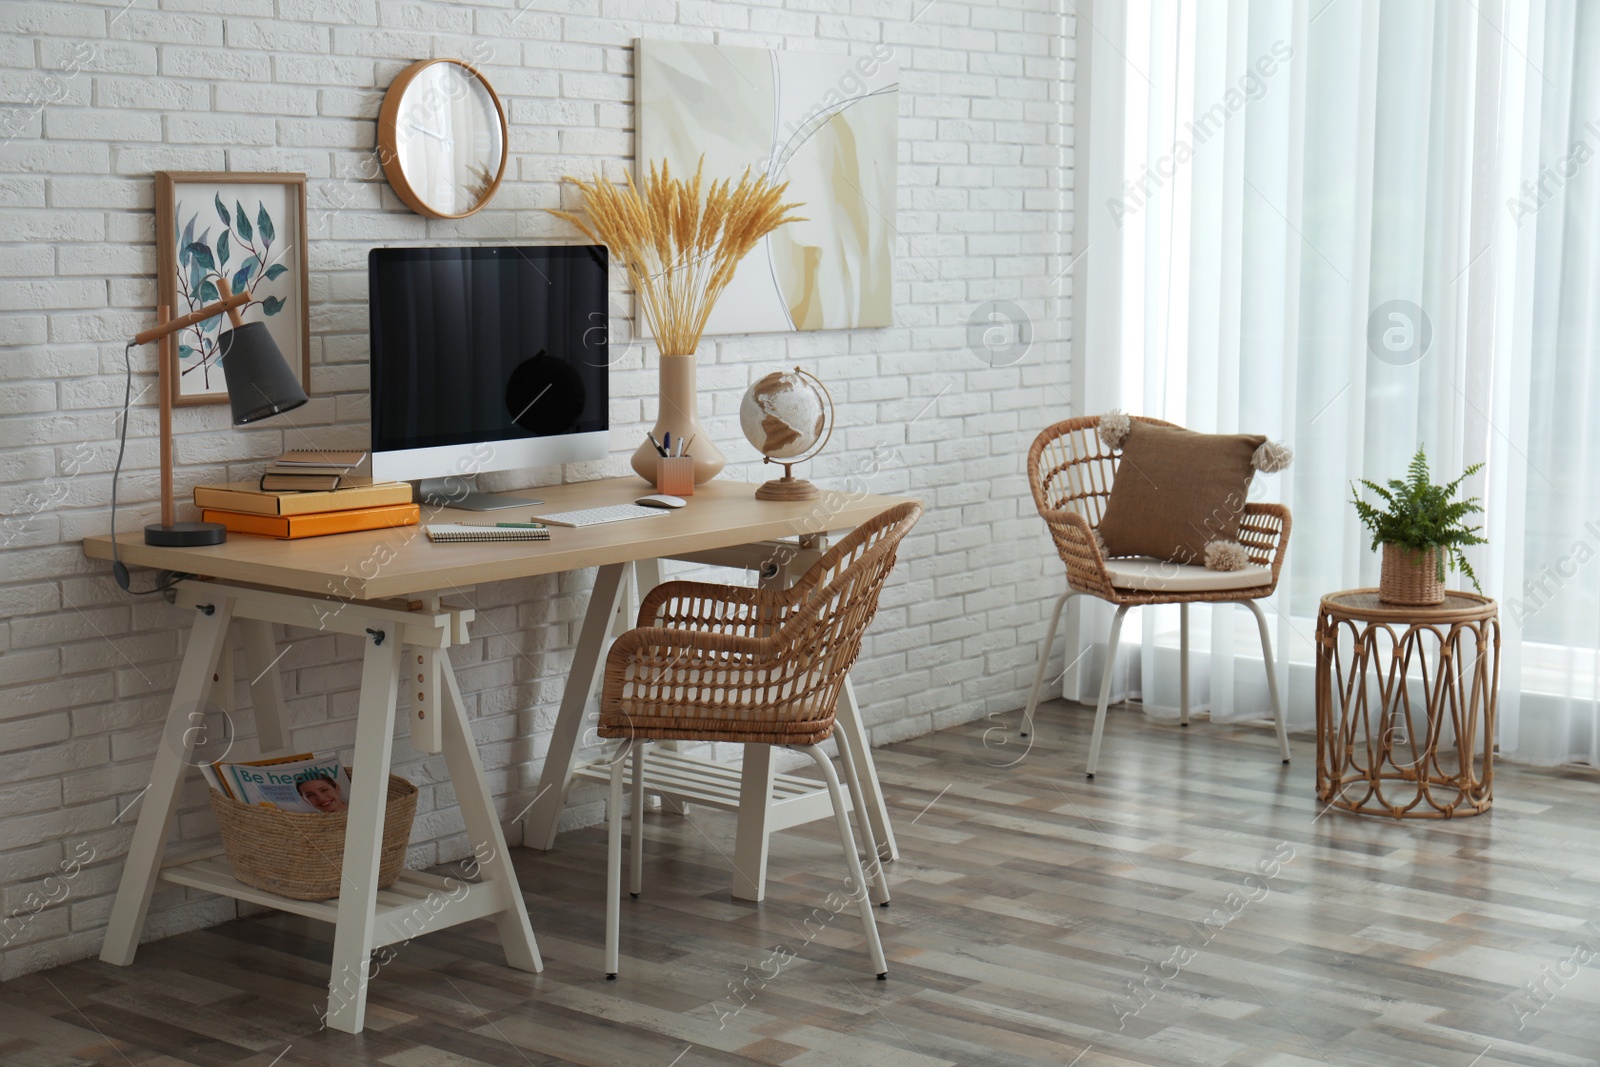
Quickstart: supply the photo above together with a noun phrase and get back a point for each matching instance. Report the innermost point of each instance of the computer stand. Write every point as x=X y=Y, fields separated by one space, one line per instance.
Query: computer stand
x=456 y=492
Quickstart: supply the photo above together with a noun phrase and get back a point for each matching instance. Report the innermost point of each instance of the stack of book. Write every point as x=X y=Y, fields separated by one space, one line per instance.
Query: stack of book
x=244 y=507
x=306 y=469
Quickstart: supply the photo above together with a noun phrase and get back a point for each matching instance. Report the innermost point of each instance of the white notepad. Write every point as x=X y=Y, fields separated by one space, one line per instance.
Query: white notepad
x=458 y=532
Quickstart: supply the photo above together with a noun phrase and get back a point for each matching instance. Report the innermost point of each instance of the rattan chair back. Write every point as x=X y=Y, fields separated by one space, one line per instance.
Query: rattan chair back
x=1070 y=468
x=724 y=664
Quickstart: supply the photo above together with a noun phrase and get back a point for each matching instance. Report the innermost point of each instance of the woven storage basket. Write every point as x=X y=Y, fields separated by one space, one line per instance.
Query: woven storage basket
x=1410 y=577
x=300 y=855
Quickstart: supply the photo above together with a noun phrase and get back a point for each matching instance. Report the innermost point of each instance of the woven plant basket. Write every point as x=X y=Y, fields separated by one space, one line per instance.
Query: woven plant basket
x=300 y=855
x=1410 y=577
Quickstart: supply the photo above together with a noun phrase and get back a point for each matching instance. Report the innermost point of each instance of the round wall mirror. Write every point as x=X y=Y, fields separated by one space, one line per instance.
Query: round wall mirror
x=442 y=138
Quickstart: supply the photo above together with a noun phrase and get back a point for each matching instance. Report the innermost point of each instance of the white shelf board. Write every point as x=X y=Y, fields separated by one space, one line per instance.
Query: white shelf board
x=407 y=897
x=794 y=801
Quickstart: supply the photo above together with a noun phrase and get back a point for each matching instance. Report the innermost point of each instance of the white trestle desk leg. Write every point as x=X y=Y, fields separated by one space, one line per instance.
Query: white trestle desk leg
x=646 y=576
x=488 y=841
x=266 y=687
x=363 y=838
x=751 y=835
x=149 y=845
x=850 y=730
x=545 y=811
x=424 y=675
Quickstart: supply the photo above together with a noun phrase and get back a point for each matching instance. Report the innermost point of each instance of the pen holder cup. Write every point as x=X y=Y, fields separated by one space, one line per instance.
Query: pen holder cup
x=675 y=475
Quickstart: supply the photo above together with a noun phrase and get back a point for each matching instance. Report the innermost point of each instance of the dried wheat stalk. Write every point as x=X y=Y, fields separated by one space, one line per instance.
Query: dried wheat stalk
x=680 y=250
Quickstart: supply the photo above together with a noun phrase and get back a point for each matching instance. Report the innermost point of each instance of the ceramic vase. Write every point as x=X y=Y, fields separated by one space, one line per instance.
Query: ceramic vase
x=678 y=413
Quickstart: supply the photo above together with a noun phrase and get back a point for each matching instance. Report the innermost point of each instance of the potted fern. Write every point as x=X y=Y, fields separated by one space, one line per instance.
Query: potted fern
x=1422 y=528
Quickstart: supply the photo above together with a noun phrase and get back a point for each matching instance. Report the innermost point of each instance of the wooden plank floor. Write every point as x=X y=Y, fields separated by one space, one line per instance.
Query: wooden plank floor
x=1193 y=905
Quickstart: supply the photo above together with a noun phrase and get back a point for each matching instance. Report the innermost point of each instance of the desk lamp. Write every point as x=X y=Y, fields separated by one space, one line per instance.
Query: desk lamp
x=260 y=384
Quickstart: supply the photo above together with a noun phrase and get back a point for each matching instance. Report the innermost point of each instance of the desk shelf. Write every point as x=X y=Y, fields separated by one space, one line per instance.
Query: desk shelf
x=794 y=800
x=407 y=898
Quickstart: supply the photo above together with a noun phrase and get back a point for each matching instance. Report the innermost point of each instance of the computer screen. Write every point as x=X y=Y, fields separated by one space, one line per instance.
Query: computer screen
x=499 y=345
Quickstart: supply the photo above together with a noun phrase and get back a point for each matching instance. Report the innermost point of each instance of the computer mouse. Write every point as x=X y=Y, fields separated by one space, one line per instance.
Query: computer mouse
x=661 y=500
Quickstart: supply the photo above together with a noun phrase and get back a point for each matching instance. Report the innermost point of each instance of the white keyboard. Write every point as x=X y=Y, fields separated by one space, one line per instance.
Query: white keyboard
x=596 y=516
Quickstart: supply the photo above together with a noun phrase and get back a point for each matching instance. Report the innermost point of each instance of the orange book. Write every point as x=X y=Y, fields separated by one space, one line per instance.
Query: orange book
x=288 y=527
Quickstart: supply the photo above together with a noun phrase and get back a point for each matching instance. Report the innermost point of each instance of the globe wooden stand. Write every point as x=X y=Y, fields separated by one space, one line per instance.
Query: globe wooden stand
x=787 y=488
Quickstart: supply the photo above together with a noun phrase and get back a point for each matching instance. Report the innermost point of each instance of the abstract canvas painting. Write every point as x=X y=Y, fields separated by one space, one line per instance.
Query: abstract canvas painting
x=827 y=125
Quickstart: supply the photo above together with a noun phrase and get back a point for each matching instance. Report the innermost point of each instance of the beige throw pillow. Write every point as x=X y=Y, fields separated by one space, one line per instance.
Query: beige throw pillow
x=1176 y=491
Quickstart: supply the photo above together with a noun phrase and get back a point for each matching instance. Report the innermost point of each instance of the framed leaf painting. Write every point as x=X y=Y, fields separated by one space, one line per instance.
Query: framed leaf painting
x=249 y=229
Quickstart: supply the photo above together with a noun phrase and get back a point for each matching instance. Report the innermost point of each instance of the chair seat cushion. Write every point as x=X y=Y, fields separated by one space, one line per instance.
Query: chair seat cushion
x=1159 y=576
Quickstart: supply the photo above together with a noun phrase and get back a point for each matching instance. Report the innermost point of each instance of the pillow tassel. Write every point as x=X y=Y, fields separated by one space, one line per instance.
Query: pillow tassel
x=1114 y=428
x=1226 y=556
x=1272 y=457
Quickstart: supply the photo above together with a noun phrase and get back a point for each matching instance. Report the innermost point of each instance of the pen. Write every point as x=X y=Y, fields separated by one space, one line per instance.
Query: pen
x=521 y=525
x=666 y=442
x=656 y=443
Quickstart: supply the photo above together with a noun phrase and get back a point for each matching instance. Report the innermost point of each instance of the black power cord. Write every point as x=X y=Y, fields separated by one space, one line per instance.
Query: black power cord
x=119 y=569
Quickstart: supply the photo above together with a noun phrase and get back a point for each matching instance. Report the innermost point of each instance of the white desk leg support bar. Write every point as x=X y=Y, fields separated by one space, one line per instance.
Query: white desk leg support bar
x=176 y=748
x=545 y=812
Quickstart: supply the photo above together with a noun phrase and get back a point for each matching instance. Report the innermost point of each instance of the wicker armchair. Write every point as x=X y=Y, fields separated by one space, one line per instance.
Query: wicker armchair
x=1071 y=472
x=756 y=666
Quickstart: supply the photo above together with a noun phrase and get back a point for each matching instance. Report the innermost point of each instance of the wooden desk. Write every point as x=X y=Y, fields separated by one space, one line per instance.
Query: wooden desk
x=364 y=584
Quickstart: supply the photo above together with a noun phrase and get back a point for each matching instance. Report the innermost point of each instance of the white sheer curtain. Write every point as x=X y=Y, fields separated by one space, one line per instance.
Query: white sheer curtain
x=1360 y=226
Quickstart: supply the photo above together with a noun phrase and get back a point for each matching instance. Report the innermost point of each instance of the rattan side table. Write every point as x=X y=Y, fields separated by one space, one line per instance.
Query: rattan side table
x=1392 y=681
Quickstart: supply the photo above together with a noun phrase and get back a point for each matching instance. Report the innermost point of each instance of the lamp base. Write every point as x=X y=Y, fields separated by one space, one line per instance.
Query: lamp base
x=787 y=488
x=185 y=534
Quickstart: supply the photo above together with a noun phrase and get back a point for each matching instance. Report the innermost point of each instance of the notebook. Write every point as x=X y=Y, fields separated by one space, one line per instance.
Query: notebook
x=458 y=532
x=339 y=459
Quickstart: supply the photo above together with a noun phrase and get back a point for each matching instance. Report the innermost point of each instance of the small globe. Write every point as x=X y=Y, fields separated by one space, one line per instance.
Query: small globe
x=784 y=414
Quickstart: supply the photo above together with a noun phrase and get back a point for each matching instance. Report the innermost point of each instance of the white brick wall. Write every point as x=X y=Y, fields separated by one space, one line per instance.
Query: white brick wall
x=95 y=97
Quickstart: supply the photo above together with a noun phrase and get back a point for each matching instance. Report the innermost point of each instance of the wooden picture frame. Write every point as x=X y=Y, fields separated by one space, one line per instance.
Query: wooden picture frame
x=195 y=244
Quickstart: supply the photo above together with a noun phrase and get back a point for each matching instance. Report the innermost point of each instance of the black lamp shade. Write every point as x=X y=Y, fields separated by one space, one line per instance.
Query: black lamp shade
x=260 y=383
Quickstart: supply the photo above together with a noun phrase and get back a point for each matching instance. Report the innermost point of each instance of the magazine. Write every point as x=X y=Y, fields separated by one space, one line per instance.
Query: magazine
x=304 y=783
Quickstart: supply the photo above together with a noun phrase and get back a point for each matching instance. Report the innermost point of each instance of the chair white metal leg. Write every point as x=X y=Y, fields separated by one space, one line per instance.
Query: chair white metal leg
x=853 y=862
x=1272 y=679
x=1183 y=664
x=1107 y=668
x=636 y=829
x=614 y=859
x=869 y=841
x=1044 y=661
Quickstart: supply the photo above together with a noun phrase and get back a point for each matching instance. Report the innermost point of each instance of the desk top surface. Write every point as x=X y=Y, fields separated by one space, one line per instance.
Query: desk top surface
x=378 y=564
